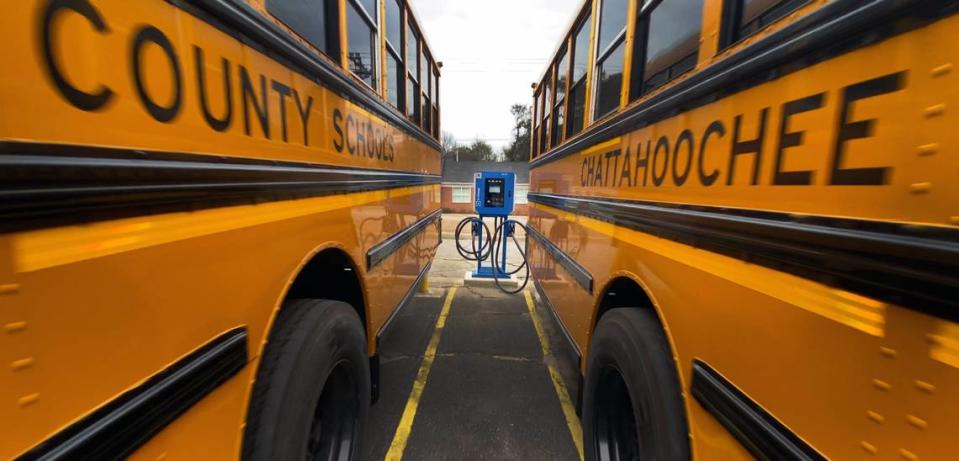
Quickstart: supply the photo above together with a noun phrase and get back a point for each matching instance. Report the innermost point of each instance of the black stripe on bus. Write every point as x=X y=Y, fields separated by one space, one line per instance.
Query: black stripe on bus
x=392 y=243
x=244 y=23
x=758 y=431
x=575 y=270
x=916 y=267
x=834 y=29
x=125 y=423
x=42 y=186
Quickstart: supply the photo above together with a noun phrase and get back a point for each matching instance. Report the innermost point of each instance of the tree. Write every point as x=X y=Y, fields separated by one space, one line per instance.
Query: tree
x=518 y=148
x=448 y=143
x=479 y=151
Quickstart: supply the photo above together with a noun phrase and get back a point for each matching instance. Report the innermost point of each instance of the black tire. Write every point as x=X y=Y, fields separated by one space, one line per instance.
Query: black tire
x=312 y=390
x=633 y=405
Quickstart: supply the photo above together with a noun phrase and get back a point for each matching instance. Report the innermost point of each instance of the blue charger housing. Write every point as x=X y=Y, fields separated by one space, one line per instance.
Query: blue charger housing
x=494 y=193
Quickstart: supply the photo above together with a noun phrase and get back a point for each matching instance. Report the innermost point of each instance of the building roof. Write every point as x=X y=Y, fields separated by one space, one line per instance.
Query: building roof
x=454 y=171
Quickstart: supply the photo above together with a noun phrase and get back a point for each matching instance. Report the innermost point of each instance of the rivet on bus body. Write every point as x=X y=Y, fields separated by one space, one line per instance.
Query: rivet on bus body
x=22 y=363
x=928 y=388
x=9 y=288
x=944 y=69
x=888 y=352
x=14 y=327
x=868 y=447
x=917 y=422
x=908 y=454
x=28 y=399
x=935 y=110
x=920 y=187
x=881 y=385
x=928 y=149
x=875 y=417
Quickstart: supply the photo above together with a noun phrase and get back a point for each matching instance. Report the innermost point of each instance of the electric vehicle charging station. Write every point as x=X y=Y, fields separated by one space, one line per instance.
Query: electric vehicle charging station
x=494 y=199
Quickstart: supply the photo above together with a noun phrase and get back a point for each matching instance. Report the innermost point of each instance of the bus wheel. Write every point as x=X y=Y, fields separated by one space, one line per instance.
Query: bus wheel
x=633 y=407
x=312 y=390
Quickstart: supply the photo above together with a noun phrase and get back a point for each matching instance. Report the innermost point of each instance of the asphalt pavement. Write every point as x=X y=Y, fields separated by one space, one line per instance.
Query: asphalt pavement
x=472 y=373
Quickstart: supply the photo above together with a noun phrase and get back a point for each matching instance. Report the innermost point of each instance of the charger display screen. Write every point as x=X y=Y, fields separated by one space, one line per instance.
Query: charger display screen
x=494 y=193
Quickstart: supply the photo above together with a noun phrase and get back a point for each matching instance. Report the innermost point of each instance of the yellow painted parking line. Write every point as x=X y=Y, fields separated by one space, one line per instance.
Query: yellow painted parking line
x=572 y=421
x=402 y=434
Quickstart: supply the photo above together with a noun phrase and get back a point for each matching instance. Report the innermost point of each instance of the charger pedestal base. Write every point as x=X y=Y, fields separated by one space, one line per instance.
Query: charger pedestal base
x=471 y=280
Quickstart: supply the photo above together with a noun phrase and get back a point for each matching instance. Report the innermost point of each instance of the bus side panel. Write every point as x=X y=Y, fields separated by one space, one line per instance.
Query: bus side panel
x=760 y=327
x=843 y=371
x=264 y=118
x=100 y=322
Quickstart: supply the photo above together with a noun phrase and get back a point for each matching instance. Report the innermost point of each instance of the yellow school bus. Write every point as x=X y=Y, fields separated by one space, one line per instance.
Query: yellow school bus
x=744 y=216
x=210 y=211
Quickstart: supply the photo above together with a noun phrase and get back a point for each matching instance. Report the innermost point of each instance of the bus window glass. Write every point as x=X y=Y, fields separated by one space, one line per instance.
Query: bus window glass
x=394 y=79
x=612 y=36
x=562 y=71
x=610 y=82
x=672 y=43
x=557 y=124
x=362 y=50
x=370 y=7
x=577 y=109
x=413 y=101
x=612 y=21
x=581 y=50
x=412 y=50
x=309 y=19
x=424 y=70
x=756 y=14
x=394 y=24
x=577 y=88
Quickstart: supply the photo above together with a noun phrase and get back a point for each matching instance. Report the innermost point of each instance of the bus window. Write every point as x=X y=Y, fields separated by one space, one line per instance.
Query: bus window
x=425 y=77
x=412 y=71
x=394 y=79
x=436 y=104
x=362 y=43
x=547 y=105
x=743 y=18
x=612 y=35
x=562 y=71
x=394 y=53
x=577 y=89
x=672 y=41
x=314 y=20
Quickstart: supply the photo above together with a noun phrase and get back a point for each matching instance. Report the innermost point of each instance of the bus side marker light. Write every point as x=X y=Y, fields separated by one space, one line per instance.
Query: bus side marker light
x=920 y=187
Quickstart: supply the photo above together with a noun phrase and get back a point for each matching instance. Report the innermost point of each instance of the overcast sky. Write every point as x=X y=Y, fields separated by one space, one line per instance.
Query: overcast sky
x=492 y=51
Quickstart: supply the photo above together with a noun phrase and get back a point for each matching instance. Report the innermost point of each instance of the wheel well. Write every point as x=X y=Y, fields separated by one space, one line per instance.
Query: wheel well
x=331 y=274
x=622 y=292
